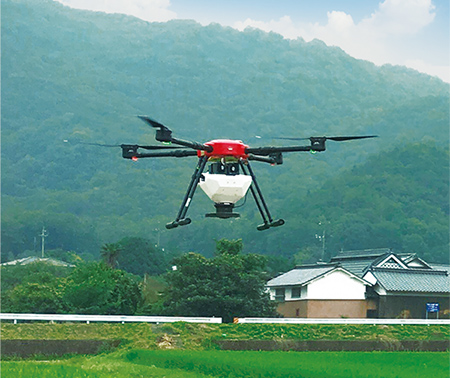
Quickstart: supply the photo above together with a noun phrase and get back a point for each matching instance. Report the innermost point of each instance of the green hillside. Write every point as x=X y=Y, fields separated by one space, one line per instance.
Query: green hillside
x=83 y=76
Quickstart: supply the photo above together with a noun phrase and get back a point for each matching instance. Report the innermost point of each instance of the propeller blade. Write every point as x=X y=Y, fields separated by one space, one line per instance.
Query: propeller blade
x=342 y=138
x=336 y=139
x=120 y=145
x=91 y=144
x=152 y=122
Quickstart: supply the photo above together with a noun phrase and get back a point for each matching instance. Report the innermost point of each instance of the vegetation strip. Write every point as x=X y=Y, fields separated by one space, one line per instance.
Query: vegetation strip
x=336 y=345
x=202 y=336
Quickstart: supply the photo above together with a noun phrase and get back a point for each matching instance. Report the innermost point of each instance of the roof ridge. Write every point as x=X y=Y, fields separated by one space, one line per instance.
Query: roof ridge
x=309 y=266
x=410 y=270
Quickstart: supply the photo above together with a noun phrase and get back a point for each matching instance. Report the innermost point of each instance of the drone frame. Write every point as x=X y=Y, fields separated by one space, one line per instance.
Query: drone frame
x=272 y=155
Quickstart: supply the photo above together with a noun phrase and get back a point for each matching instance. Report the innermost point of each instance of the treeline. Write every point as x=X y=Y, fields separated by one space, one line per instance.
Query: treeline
x=71 y=76
x=397 y=199
x=227 y=285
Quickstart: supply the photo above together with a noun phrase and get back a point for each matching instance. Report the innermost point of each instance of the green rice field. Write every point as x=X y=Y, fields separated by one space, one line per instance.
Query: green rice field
x=213 y=363
x=184 y=350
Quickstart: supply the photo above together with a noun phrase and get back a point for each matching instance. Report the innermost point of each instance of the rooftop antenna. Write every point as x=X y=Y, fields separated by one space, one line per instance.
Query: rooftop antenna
x=43 y=235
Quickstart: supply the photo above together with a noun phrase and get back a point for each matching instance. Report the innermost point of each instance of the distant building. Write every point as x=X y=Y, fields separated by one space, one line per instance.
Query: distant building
x=363 y=284
x=33 y=259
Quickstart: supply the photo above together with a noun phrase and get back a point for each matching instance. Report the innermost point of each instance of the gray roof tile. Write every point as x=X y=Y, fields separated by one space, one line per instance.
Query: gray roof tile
x=300 y=275
x=412 y=280
x=364 y=253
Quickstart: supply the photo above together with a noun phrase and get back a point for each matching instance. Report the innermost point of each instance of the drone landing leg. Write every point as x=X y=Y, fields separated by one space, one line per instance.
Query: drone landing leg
x=259 y=199
x=181 y=220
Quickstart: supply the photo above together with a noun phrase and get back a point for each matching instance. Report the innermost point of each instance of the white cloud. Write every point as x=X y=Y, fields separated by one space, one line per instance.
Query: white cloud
x=283 y=26
x=402 y=16
x=148 y=10
x=380 y=38
x=443 y=72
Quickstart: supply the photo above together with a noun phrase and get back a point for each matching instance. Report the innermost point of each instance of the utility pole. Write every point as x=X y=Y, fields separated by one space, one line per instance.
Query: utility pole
x=43 y=235
x=322 y=239
x=158 y=236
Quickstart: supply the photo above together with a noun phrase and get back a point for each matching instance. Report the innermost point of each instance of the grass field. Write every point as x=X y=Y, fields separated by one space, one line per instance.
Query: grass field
x=201 y=336
x=192 y=353
x=202 y=364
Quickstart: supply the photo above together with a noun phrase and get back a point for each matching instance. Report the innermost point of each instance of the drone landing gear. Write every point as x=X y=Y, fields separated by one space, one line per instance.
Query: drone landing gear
x=181 y=220
x=260 y=202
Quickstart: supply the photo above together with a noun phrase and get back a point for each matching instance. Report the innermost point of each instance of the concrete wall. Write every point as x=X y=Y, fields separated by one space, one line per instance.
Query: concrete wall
x=323 y=309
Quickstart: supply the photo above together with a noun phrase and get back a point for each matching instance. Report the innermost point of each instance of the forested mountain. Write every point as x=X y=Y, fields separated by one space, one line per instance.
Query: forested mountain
x=79 y=76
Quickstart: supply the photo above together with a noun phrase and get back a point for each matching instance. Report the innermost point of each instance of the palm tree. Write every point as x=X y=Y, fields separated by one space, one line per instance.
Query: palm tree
x=110 y=253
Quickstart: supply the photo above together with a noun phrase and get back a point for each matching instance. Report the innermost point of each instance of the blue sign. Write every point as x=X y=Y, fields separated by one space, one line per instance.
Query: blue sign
x=432 y=307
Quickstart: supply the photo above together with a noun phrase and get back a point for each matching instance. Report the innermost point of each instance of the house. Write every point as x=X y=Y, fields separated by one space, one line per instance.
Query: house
x=320 y=291
x=405 y=291
x=376 y=283
x=34 y=259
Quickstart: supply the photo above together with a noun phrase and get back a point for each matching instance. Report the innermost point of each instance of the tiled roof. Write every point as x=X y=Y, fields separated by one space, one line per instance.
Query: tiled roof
x=363 y=253
x=440 y=267
x=301 y=275
x=412 y=280
x=33 y=259
x=357 y=267
x=358 y=261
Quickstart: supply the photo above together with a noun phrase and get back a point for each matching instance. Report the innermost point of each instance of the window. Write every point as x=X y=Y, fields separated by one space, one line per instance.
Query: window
x=279 y=295
x=296 y=292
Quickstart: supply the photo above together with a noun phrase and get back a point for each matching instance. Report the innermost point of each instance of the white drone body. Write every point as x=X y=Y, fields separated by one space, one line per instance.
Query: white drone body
x=225 y=189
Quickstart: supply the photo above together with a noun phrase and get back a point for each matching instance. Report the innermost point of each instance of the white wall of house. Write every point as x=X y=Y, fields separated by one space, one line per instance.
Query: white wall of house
x=291 y=293
x=336 y=285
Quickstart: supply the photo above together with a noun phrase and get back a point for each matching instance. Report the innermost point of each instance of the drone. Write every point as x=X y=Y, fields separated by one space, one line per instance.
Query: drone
x=223 y=169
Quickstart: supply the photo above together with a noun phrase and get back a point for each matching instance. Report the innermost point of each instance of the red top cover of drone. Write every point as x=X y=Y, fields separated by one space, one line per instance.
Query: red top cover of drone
x=225 y=147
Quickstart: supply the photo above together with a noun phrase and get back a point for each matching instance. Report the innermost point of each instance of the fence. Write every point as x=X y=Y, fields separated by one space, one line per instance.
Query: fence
x=106 y=318
x=171 y=319
x=341 y=321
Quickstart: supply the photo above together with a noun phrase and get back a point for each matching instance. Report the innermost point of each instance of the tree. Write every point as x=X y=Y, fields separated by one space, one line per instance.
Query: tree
x=35 y=298
x=110 y=253
x=33 y=288
x=95 y=288
x=228 y=285
x=230 y=247
x=140 y=256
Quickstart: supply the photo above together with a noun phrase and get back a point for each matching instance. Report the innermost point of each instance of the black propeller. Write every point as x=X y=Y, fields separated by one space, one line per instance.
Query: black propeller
x=164 y=134
x=153 y=123
x=317 y=145
x=122 y=145
x=337 y=139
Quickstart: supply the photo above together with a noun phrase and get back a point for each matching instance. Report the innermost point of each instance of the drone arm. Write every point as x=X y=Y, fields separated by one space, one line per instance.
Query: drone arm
x=131 y=151
x=267 y=151
x=274 y=158
x=194 y=145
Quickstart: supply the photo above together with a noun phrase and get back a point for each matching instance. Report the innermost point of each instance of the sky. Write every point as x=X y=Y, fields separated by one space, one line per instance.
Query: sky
x=411 y=33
